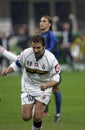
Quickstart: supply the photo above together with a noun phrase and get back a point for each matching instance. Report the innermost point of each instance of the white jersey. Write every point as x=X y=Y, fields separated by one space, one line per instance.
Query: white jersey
x=36 y=72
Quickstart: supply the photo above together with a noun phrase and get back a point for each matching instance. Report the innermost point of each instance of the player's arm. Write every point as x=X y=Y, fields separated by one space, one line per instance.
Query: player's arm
x=15 y=66
x=48 y=85
x=7 y=71
x=55 y=74
x=7 y=54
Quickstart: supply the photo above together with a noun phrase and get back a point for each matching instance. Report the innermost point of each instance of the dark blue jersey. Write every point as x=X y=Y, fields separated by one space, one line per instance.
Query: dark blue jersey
x=51 y=42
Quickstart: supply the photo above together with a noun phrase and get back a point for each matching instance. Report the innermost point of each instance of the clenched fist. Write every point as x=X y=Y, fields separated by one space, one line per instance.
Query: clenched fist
x=4 y=73
x=43 y=86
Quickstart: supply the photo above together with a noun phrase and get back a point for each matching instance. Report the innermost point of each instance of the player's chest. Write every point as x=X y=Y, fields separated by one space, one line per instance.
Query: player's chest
x=41 y=64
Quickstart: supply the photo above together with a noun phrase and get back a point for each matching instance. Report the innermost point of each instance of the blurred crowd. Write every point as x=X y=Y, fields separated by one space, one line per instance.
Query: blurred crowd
x=71 y=49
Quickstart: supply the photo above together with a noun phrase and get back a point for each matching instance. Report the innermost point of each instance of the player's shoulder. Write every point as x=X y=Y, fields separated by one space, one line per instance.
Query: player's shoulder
x=49 y=54
x=28 y=50
x=51 y=33
x=51 y=59
x=78 y=40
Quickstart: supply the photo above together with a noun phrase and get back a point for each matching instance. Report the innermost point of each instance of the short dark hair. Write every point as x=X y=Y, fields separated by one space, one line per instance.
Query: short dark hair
x=38 y=38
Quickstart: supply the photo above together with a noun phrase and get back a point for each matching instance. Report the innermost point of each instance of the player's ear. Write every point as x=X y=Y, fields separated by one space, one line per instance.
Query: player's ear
x=49 y=25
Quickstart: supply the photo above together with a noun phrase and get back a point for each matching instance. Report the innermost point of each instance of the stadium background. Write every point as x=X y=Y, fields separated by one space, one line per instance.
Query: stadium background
x=27 y=13
x=14 y=13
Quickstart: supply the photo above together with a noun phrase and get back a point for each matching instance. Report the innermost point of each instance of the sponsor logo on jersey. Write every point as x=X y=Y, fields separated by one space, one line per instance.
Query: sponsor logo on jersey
x=43 y=67
x=41 y=72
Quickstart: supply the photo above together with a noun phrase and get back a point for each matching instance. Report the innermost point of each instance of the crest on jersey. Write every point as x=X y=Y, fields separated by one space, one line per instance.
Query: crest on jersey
x=43 y=66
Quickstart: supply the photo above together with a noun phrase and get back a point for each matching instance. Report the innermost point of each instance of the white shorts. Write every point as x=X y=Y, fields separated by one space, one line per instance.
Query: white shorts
x=26 y=98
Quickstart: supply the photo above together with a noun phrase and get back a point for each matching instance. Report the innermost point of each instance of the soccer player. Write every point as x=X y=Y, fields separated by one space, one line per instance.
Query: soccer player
x=42 y=73
x=51 y=45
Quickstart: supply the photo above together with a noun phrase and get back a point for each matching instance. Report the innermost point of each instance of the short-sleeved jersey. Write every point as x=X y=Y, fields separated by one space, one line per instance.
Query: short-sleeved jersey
x=36 y=72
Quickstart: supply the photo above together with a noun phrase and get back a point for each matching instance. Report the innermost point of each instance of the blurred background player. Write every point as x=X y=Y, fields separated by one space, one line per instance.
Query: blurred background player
x=66 y=42
x=4 y=42
x=51 y=45
x=78 y=48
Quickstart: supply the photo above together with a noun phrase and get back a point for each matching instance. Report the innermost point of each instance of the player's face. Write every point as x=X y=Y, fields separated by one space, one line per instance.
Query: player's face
x=38 y=49
x=44 y=24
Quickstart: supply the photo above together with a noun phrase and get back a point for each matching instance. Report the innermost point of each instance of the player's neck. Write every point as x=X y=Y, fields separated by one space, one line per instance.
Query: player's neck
x=44 y=30
x=38 y=58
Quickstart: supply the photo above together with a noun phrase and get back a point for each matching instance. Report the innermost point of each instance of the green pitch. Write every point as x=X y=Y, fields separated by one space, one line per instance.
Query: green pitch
x=73 y=104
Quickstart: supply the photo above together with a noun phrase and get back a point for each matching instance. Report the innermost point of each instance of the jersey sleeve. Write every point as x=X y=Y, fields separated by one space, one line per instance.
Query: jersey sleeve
x=20 y=60
x=55 y=70
x=14 y=66
x=9 y=55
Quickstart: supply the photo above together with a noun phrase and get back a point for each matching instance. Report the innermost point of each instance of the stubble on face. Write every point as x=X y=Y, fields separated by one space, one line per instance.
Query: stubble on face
x=38 y=50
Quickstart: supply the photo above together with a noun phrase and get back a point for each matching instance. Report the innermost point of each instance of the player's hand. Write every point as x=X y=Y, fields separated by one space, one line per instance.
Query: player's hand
x=43 y=86
x=4 y=73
